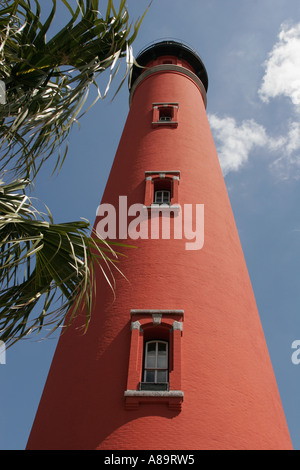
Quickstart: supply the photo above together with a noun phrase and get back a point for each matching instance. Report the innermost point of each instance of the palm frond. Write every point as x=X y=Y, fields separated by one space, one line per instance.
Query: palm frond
x=47 y=82
x=45 y=266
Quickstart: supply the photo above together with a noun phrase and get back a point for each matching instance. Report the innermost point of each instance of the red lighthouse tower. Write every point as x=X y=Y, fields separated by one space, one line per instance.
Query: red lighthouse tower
x=178 y=360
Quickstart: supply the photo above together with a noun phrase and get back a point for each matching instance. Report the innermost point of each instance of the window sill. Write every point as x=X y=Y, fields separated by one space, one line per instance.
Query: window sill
x=154 y=386
x=173 y=398
x=165 y=123
x=164 y=207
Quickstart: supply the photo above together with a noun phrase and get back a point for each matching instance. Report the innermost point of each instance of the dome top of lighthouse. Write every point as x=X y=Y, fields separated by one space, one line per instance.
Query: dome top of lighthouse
x=174 y=48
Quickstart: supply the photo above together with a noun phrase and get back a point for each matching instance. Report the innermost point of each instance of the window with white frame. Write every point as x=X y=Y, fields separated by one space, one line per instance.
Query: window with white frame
x=155 y=376
x=161 y=188
x=165 y=114
x=156 y=368
x=162 y=197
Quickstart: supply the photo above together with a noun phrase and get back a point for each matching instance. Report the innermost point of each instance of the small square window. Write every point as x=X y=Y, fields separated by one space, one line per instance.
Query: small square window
x=161 y=188
x=162 y=197
x=165 y=114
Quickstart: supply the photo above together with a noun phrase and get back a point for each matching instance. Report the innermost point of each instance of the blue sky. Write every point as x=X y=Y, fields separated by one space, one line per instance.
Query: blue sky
x=251 y=50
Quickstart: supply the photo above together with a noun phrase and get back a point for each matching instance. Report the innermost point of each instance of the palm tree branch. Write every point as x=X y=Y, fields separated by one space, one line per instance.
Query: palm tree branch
x=47 y=82
x=41 y=261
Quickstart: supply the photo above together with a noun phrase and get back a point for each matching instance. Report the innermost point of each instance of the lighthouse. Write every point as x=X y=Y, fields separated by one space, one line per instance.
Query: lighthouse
x=178 y=359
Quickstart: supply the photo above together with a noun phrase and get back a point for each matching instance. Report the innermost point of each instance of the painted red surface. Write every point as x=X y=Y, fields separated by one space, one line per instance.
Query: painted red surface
x=231 y=400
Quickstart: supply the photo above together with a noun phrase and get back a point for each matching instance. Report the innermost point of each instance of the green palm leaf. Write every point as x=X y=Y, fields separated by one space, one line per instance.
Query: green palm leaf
x=47 y=82
x=44 y=89
x=41 y=262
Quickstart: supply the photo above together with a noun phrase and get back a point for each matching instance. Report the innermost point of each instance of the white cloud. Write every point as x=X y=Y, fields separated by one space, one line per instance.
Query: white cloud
x=293 y=139
x=282 y=73
x=234 y=143
x=287 y=165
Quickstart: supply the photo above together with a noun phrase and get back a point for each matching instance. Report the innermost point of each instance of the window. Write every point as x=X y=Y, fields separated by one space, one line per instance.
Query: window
x=154 y=369
x=162 y=197
x=156 y=366
x=165 y=114
x=162 y=188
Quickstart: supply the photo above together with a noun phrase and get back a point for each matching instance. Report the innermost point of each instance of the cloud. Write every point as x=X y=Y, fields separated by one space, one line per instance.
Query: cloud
x=287 y=165
x=293 y=139
x=234 y=143
x=282 y=69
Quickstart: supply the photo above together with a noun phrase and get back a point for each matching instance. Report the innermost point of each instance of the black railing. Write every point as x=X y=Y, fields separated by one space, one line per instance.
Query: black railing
x=170 y=47
x=154 y=386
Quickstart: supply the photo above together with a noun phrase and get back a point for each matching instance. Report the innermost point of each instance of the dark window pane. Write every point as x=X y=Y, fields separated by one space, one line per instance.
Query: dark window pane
x=151 y=347
x=161 y=376
x=150 y=376
x=162 y=347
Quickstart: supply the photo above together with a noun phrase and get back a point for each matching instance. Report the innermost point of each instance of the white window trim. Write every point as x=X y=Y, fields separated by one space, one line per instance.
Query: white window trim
x=162 y=193
x=156 y=368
